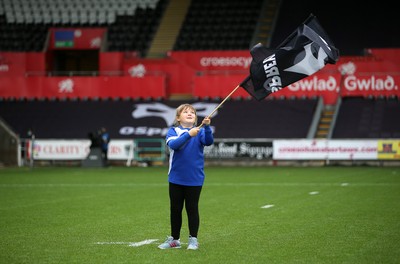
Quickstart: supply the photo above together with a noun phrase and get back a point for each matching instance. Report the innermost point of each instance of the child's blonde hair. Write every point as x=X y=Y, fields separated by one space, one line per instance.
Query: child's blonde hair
x=180 y=109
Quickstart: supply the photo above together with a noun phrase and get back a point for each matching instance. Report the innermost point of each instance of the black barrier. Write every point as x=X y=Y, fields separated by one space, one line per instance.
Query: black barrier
x=151 y=119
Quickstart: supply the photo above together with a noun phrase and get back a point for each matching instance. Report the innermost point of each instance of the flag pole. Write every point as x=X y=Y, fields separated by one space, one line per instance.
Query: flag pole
x=223 y=101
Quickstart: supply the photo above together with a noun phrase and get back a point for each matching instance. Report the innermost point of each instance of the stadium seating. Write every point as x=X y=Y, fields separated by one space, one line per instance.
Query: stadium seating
x=24 y=24
x=75 y=11
x=219 y=25
x=368 y=118
x=21 y=37
x=209 y=24
x=135 y=32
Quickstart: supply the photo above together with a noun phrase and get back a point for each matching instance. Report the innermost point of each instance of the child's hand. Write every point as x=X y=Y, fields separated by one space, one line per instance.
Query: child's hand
x=206 y=121
x=194 y=131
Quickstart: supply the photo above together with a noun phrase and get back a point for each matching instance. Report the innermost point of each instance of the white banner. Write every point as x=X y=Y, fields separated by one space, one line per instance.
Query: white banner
x=121 y=149
x=325 y=149
x=298 y=149
x=54 y=149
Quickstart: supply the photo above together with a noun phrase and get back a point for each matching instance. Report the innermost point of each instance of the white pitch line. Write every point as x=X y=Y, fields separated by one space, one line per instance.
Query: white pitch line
x=130 y=244
x=226 y=184
x=112 y=243
x=141 y=243
x=267 y=206
x=313 y=193
x=83 y=185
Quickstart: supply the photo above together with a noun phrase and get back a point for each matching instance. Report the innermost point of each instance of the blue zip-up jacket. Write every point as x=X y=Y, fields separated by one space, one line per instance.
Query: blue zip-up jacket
x=186 y=161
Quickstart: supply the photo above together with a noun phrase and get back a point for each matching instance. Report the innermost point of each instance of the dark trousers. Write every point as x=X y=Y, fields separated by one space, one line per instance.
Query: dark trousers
x=179 y=196
x=105 y=156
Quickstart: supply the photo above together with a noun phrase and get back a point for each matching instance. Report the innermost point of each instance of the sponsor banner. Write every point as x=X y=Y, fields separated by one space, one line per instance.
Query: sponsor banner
x=239 y=148
x=256 y=149
x=236 y=119
x=51 y=149
x=325 y=149
x=201 y=73
x=214 y=60
x=377 y=85
x=323 y=84
x=142 y=119
x=370 y=76
x=121 y=149
x=389 y=149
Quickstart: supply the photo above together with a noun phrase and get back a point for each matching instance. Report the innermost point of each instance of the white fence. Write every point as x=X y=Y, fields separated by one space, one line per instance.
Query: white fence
x=142 y=150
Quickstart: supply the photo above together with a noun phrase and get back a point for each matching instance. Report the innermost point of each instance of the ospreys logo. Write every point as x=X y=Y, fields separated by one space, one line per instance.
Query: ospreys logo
x=165 y=112
x=308 y=65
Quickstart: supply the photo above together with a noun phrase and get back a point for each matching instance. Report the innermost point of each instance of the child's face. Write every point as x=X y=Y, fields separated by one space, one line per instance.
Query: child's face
x=187 y=118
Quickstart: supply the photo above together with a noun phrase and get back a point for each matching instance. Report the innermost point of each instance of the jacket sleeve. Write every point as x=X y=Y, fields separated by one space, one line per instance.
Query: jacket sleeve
x=175 y=142
x=208 y=136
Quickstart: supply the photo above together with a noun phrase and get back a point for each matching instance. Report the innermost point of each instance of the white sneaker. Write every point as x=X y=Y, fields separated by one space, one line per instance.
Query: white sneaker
x=193 y=244
x=170 y=242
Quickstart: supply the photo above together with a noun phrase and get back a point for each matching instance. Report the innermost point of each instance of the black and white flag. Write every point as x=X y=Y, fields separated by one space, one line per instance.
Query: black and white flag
x=304 y=52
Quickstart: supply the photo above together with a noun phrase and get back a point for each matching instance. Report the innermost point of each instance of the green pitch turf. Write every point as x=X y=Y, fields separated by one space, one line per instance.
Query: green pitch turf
x=248 y=215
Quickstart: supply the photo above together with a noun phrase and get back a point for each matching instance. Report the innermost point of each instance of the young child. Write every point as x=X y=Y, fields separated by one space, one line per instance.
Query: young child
x=186 y=172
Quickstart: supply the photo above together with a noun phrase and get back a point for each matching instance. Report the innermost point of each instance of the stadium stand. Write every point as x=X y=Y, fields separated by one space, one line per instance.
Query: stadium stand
x=132 y=25
x=135 y=30
x=21 y=36
x=219 y=25
x=368 y=118
x=210 y=25
x=24 y=24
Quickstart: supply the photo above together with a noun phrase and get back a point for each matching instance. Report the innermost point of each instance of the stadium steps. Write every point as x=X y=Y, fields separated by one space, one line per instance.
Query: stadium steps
x=170 y=26
x=266 y=23
x=325 y=122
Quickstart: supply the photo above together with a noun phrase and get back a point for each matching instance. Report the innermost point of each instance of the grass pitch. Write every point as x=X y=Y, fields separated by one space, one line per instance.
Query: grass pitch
x=248 y=215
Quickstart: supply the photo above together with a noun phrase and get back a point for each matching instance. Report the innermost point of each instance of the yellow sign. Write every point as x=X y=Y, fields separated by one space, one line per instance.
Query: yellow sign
x=389 y=149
